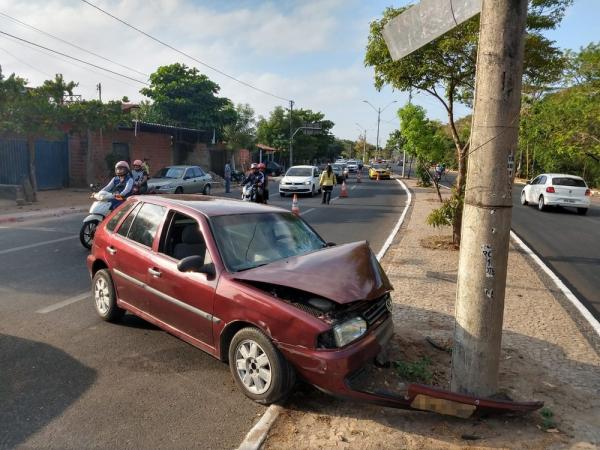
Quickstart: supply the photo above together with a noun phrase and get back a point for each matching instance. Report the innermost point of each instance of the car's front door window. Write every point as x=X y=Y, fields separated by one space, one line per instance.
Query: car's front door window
x=146 y=223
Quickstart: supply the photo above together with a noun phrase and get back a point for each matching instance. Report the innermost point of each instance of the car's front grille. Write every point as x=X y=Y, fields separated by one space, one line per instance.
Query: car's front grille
x=373 y=311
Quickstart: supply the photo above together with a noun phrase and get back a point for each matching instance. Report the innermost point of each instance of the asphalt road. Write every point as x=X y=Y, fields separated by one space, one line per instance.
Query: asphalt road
x=567 y=243
x=69 y=380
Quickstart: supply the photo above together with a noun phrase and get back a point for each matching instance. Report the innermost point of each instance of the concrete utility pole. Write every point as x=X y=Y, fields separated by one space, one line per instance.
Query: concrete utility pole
x=488 y=198
x=99 y=89
x=291 y=135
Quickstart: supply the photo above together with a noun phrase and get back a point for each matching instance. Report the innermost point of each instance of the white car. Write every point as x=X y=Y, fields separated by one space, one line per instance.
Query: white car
x=352 y=166
x=557 y=189
x=300 y=180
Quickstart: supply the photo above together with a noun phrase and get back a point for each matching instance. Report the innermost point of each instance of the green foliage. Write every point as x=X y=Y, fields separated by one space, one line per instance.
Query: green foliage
x=423 y=175
x=548 y=420
x=241 y=132
x=445 y=215
x=274 y=131
x=561 y=131
x=57 y=88
x=184 y=97
x=418 y=371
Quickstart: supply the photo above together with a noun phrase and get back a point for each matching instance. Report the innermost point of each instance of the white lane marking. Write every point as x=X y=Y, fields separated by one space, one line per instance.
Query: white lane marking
x=37 y=244
x=353 y=187
x=53 y=230
x=392 y=235
x=64 y=303
x=307 y=211
x=559 y=284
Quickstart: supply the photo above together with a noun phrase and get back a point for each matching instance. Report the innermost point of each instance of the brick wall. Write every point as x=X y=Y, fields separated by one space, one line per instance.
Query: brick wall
x=156 y=148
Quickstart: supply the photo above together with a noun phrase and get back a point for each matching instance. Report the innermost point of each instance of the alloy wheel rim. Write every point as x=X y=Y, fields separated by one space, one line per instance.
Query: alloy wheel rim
x=88 y=232
x=101 y=295
x=253 y=367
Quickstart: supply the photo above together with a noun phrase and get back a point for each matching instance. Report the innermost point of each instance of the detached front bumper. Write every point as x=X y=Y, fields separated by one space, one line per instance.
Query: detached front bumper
x=333 y=372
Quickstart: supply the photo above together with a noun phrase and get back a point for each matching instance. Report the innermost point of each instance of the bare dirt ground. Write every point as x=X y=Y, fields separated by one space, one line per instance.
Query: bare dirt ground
x=548 y=354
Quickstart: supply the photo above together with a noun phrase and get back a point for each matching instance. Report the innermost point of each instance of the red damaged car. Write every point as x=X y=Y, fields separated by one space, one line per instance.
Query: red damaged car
x=250 y=284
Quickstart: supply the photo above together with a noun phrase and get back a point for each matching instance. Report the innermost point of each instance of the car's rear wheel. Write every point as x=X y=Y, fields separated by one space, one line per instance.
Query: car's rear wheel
x=105 y=297
x=582 y=211
x=541 y=204
x=259 y=368
x=523 y=198
x=206 y=190
x=86 y=234
x=179 y=190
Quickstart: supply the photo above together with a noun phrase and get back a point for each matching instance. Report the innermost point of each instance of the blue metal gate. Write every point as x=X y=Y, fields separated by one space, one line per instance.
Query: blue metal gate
x=14 y=161
x=51 y=162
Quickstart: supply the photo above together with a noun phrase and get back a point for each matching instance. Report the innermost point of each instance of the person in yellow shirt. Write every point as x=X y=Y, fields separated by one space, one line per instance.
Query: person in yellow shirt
x=327 y=181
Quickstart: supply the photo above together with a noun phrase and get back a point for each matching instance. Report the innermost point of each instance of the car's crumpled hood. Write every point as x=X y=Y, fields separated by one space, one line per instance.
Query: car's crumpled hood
x=344 y=273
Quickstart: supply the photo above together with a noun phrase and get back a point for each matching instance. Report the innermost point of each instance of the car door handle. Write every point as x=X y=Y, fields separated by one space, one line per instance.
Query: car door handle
x=111 y=250
x=154 y=272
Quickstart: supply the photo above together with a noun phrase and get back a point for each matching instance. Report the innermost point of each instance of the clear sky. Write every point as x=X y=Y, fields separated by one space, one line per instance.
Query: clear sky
x=310 y=51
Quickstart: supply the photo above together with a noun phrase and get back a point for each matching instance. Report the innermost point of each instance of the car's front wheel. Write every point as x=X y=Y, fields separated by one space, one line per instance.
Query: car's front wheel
x=312 y=191
x=541 y=204
x=206 y=190
x=179 y=190
x=582 y=211
x=523 y=198
x=105 y=297
x=259 y=368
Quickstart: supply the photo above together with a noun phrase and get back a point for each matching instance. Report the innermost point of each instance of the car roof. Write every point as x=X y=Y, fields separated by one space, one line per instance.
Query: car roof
x=559 y=175
x=302 y=167
x=208 y=205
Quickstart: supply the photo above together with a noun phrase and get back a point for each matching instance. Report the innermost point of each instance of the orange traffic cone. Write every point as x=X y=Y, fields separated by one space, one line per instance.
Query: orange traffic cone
x=358 y=180
x=295 y=209
x=344 y=192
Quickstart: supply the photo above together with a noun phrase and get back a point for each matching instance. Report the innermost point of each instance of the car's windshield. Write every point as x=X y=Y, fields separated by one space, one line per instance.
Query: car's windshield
x=246 y=241
x=337 y=167
x=299 y=172
x=568 y=181
x=169 y=172
x=379 y=166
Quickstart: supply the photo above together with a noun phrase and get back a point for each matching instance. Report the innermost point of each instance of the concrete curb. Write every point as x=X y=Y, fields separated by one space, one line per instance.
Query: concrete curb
x=22 y=216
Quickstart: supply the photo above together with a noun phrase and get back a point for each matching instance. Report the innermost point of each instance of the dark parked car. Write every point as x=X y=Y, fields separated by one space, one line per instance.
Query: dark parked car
x=273 y=168
x=253 y=285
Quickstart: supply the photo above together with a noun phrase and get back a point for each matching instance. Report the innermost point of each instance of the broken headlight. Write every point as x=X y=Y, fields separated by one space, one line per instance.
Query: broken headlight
x=343 y=333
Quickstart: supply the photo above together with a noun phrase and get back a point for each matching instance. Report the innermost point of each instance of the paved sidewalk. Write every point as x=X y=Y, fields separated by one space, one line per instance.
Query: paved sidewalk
x=548 y=354
x=56 y=203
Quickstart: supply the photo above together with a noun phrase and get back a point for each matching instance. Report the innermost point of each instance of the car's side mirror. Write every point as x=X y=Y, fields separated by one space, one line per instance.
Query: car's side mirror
x=196 y=264
x=528 y=182
x=330 y=244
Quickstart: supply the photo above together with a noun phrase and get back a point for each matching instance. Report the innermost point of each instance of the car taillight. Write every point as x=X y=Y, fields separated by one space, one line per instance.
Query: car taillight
x=588 y=192
x=550 y=189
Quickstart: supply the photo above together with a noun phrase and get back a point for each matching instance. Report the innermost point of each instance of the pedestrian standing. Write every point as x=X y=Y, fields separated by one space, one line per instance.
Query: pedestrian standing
x=327 y=181
x=227 y=177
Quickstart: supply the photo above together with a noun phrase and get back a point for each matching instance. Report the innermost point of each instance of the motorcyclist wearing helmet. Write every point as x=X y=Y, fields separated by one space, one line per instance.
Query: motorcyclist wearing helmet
x=140 y=177
x=256 y=177
x=121 y=185
x=263 y=169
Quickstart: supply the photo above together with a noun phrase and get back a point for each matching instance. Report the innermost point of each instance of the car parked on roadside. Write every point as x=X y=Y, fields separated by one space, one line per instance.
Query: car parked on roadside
x=181 y=180
x=557 y=189
x=273 y=169
x=252 y=285
x=300 y=180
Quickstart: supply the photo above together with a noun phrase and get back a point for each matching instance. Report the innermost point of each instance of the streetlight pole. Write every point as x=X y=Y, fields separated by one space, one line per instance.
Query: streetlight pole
x=291 y=135
x=378 y=111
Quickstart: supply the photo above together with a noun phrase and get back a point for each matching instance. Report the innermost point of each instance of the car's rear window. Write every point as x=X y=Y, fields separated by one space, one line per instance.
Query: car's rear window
x=568 y=181
x=250 y=240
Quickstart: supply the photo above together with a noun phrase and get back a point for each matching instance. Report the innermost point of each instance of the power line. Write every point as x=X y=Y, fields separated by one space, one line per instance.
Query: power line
x=185 y=54
x=74 y=58
x=26 y=63
x=72 y=45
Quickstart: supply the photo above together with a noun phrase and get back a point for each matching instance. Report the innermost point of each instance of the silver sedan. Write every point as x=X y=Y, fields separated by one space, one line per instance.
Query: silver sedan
x=181 y=179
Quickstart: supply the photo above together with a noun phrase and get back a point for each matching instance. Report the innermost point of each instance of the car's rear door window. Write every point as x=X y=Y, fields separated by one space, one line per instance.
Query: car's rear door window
x=114 y=220
x=124 y=228
x=146 y=223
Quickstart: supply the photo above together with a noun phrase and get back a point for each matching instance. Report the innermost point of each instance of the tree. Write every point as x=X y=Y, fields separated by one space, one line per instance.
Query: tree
x=57 y=88
x=241 y=132
x=184 y=97
x=445 y=68
x=308 y=145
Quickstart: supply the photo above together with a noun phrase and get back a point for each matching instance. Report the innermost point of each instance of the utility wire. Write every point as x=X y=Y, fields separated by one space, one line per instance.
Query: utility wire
x=185 y=54
x=74 y=58
x=26 y=63
x=72 y=45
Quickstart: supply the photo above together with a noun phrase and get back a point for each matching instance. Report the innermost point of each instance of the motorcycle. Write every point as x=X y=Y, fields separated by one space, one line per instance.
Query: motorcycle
x=98 y=211
x=251 y=193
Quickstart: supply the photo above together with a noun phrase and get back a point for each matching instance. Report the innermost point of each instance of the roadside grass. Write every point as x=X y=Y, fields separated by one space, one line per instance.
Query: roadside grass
x=418 y=371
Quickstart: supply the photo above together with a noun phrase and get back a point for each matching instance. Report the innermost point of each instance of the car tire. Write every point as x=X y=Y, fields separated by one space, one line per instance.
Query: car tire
x=312 y=191
x=523 y=198
x=249 y=352
x=86 y=234
x=541 y=204
x=179 y=190
x=281 y=194
x=582 y=211
x=206 y=190
x=105 y=297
